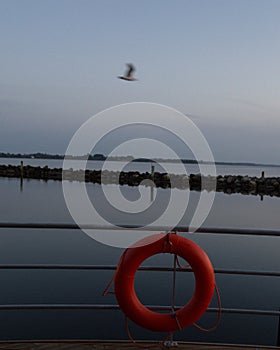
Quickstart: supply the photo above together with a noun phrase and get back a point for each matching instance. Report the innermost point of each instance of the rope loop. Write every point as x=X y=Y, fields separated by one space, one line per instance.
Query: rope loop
x=208 y=330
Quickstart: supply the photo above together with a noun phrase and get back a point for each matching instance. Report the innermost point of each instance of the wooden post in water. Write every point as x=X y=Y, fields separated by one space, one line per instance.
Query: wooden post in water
x=21 y=175
x=262 y=177
x=21 y=169
x=153 y=179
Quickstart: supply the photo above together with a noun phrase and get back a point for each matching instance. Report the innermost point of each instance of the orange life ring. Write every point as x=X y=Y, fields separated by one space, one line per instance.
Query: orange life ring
x=156 y=244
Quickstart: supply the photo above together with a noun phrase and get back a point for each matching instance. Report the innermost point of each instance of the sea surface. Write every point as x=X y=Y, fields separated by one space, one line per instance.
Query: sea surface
x=43 y=202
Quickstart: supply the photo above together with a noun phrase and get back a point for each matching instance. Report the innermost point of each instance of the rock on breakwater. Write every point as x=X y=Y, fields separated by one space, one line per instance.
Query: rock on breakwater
x=222 y=183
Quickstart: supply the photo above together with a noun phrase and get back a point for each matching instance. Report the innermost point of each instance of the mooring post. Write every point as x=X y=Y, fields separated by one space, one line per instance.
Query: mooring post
x=21 y=169
x=153 y=179
x=262 y=175
x=153 y=172
x=21 y=175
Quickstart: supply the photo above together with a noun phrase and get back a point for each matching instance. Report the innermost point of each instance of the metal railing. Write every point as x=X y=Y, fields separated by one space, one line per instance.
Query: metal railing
x=212 y=230
x=219 y=231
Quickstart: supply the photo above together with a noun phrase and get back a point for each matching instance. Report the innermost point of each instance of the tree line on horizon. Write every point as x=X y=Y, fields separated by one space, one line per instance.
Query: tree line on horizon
x=97 y=156
x=102 y=157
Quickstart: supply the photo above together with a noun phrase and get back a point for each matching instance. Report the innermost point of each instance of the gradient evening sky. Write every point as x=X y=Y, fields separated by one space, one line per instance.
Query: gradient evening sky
x=217 y=61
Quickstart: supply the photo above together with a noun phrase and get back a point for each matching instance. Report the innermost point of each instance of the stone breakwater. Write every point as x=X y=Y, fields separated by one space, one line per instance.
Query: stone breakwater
x=194 y=182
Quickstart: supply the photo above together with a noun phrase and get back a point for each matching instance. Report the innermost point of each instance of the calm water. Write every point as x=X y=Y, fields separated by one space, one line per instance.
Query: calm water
x=40 y=201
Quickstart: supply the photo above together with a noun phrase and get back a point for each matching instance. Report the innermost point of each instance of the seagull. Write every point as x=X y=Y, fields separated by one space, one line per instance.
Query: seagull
x=128 y=76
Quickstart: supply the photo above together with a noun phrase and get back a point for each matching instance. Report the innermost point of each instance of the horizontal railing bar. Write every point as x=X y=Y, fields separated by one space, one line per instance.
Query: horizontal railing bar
x=141 y=268
x=248 y=272
x=116 y=307
x=59 y=307
x=246 y=311
x=218 y=230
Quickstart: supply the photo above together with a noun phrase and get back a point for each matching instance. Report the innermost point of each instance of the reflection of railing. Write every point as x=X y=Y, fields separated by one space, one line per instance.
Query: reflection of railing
x=219 y=231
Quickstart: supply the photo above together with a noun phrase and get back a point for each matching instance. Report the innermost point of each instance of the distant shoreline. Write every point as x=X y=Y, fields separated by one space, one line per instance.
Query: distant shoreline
x=101 y=157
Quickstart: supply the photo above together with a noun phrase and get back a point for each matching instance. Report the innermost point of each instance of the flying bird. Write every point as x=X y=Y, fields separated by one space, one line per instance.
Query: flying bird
x=129 y=73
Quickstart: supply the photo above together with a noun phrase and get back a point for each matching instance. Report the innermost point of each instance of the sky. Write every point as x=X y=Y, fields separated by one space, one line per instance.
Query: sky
x=217 y=61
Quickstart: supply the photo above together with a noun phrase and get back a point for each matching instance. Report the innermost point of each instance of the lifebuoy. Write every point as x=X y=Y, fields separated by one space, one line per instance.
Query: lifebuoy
x=156 y=244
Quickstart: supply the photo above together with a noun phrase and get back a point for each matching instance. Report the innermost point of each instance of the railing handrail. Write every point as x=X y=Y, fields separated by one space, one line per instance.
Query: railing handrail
x=117 y=307
x=141 y=268
x=233 y=231
x=186 y=229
